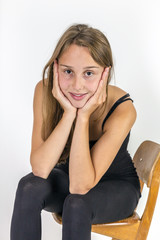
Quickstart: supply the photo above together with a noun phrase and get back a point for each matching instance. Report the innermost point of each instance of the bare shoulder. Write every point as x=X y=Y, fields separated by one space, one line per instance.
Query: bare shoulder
x=38 y=95
x=39 y=90
x=37 y=116
x=40 y=84
x=114 y=93
x=39 y=87
x=125 y=111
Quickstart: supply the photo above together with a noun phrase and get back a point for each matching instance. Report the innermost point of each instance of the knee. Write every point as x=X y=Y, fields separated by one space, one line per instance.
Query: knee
x=75 y=206
x=27 y=190
x=26 y=184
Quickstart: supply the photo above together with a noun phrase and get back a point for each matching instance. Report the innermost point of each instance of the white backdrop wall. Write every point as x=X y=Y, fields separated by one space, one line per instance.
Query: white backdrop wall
x=29 y=31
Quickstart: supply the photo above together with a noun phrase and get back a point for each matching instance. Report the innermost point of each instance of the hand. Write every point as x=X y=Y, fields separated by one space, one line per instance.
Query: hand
x=98 y=97
x=58 y=94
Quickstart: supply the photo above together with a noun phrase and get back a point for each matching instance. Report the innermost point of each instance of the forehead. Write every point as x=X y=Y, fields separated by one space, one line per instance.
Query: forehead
x=77 y=54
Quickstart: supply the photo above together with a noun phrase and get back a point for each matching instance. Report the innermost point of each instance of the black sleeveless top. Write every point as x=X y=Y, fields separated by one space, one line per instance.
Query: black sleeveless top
x=122 y=166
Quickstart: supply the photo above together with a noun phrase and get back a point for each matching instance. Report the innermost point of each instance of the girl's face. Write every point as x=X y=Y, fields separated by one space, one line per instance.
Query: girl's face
x=79 y=75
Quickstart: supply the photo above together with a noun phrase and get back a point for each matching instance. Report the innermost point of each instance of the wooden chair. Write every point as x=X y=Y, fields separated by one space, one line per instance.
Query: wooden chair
x=147 y=163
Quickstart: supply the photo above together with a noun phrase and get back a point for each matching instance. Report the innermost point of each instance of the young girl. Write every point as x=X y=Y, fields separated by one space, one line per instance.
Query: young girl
x=81 y=168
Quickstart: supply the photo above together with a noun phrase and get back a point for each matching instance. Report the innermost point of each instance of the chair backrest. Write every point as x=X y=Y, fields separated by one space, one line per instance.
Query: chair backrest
x=147 y=163
x=146 y=159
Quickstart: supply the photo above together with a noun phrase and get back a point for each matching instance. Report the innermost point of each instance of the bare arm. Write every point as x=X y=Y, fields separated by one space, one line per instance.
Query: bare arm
x=81 y=169
x=47 y=155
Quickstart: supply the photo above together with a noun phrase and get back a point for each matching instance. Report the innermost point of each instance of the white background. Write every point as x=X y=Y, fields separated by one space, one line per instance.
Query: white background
x=29 y=31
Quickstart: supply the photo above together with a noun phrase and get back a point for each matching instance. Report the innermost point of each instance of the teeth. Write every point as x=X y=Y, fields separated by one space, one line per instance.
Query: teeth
x=78 y=95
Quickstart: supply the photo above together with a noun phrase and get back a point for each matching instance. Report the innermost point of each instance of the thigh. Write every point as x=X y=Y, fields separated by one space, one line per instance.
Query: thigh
x=59 y=180
x=111 y=200
x=59 y=184
x=48 y=193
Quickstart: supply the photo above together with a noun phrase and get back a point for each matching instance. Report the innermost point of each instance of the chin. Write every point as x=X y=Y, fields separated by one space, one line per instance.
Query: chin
x=78 y=104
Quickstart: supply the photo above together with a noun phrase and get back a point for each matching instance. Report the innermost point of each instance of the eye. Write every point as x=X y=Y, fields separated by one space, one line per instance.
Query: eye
x=68 y=71
x=89 y=73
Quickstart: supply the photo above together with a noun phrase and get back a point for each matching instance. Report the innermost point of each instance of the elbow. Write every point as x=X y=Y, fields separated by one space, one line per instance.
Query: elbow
x=40 y=174
x=36 y=170
x=81 y=191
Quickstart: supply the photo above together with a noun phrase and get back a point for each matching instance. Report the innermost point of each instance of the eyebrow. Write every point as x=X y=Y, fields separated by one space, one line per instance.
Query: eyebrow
x=63 y=65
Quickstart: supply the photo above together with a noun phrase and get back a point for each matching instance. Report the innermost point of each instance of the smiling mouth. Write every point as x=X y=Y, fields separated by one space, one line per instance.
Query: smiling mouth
x=78 y=96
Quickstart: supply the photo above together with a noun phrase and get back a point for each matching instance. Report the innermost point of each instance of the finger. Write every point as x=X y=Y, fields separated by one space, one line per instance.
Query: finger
x=55 y=67
x=99 y=88
x=105 y=74
x=55 y=72
x=103 y=82
x=104 y=78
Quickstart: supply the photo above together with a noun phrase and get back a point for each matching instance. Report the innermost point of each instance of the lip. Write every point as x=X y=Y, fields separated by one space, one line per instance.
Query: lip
x=78 y=97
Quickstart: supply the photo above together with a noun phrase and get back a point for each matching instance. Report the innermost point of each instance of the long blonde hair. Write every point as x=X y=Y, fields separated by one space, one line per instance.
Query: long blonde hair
x=100 y=50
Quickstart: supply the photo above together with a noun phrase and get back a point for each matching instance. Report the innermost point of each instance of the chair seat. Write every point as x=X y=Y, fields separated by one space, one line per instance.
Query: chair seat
x=126 y=227
x=57 y=217
x=130 y=220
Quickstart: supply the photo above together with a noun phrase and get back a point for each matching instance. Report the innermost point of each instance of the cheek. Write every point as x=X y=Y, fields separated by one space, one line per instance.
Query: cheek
x=63 y=82
x=92 y=86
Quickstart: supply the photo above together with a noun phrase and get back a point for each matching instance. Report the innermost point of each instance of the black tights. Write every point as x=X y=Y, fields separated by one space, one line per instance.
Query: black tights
x=108 y=201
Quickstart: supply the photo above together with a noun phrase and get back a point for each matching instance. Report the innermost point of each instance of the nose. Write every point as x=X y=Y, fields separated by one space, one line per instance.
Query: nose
x=78 y=84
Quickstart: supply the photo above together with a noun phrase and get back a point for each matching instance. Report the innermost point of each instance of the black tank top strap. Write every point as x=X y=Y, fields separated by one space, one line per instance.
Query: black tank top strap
x=119 y=101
